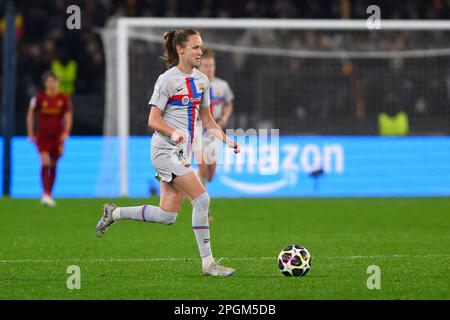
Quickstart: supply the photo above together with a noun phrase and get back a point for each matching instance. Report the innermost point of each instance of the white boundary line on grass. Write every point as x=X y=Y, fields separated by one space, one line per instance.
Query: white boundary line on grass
x=156 y=259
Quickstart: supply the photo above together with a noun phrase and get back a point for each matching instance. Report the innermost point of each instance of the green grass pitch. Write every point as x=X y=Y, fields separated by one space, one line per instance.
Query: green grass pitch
x=408 y=238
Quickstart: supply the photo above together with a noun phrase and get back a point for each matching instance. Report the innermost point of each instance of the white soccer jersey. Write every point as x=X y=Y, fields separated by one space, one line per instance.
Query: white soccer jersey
x=219 y=95
x=179 y=96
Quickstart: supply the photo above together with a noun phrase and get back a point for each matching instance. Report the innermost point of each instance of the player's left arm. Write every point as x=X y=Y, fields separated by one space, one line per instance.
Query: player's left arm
x=67 y=121
x=210 y=124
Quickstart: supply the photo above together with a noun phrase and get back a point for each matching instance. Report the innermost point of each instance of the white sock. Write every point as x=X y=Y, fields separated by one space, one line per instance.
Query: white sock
x=206 y=261
x=200 y=225
x=146 y=213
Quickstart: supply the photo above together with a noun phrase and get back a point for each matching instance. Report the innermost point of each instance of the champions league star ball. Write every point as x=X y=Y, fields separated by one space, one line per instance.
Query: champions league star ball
x=294 y=260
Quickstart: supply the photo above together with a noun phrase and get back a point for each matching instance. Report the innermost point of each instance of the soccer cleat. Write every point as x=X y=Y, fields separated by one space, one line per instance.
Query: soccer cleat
x=215 y=269
x=48 y=201
x=106 y=220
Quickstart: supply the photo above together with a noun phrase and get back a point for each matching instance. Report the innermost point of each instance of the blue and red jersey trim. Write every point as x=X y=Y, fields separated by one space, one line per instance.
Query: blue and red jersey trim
x=194 y=100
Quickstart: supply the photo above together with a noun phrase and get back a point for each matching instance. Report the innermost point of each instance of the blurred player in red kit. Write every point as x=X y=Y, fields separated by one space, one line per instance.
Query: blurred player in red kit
x=54 y=113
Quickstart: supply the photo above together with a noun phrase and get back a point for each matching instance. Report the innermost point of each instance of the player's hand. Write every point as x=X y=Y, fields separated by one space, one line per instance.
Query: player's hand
x=32 y=138
x=236 y=148
x=177 y=136
x=63 y=137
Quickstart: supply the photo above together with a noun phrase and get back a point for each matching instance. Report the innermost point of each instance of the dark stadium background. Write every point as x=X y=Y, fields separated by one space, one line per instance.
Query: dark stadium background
x=43 y=37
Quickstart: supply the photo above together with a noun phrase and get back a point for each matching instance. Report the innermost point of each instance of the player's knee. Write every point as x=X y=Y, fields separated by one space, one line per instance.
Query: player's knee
x=45 y=162
x=202 y=202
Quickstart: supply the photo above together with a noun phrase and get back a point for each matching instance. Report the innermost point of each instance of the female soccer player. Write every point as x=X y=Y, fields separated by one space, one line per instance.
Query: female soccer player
x=221 y=107
x=178 y=95
x=54 y=111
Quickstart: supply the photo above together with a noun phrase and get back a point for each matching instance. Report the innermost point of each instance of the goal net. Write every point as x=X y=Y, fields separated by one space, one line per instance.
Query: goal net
x=304 y=77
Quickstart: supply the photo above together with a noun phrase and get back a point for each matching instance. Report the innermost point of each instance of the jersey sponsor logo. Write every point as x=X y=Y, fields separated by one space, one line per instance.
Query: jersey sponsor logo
x=196 y=100
x=186 y=99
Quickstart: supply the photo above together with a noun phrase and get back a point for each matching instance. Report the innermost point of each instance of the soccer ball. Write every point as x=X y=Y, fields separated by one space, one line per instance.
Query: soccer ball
x=294 y=260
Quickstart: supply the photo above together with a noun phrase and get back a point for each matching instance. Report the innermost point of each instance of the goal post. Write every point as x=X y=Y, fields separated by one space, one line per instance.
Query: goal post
x=123 y=101
x=121 y=92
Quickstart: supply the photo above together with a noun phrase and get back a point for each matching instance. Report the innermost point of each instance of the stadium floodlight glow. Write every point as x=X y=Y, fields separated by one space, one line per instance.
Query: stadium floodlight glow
x=117 y=48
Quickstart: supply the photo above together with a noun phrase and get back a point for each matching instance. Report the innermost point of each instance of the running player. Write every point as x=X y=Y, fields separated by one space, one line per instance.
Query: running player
x=221 y=107
x=54 y=111
x=179 y=94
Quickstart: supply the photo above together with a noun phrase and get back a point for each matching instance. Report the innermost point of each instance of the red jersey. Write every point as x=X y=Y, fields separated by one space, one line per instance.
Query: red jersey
x=51 y=110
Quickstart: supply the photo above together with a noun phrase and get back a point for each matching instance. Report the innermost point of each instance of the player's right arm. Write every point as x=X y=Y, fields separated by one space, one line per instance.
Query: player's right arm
x=158 y=103
x=67 y=120
x=30 y=120
x=157 y=123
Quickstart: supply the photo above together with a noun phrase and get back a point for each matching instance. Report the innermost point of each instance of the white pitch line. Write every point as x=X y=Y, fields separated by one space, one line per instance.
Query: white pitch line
x=101 y=260
x=393 y=256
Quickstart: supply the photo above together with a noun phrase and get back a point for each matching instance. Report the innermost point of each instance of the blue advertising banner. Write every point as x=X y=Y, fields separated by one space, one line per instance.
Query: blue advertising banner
x=1 y=161
x=89 y=167
x=345 y=166
x=296 y=166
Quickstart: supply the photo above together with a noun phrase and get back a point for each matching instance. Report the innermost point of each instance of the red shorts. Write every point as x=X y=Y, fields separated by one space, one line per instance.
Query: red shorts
x=53 y=146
